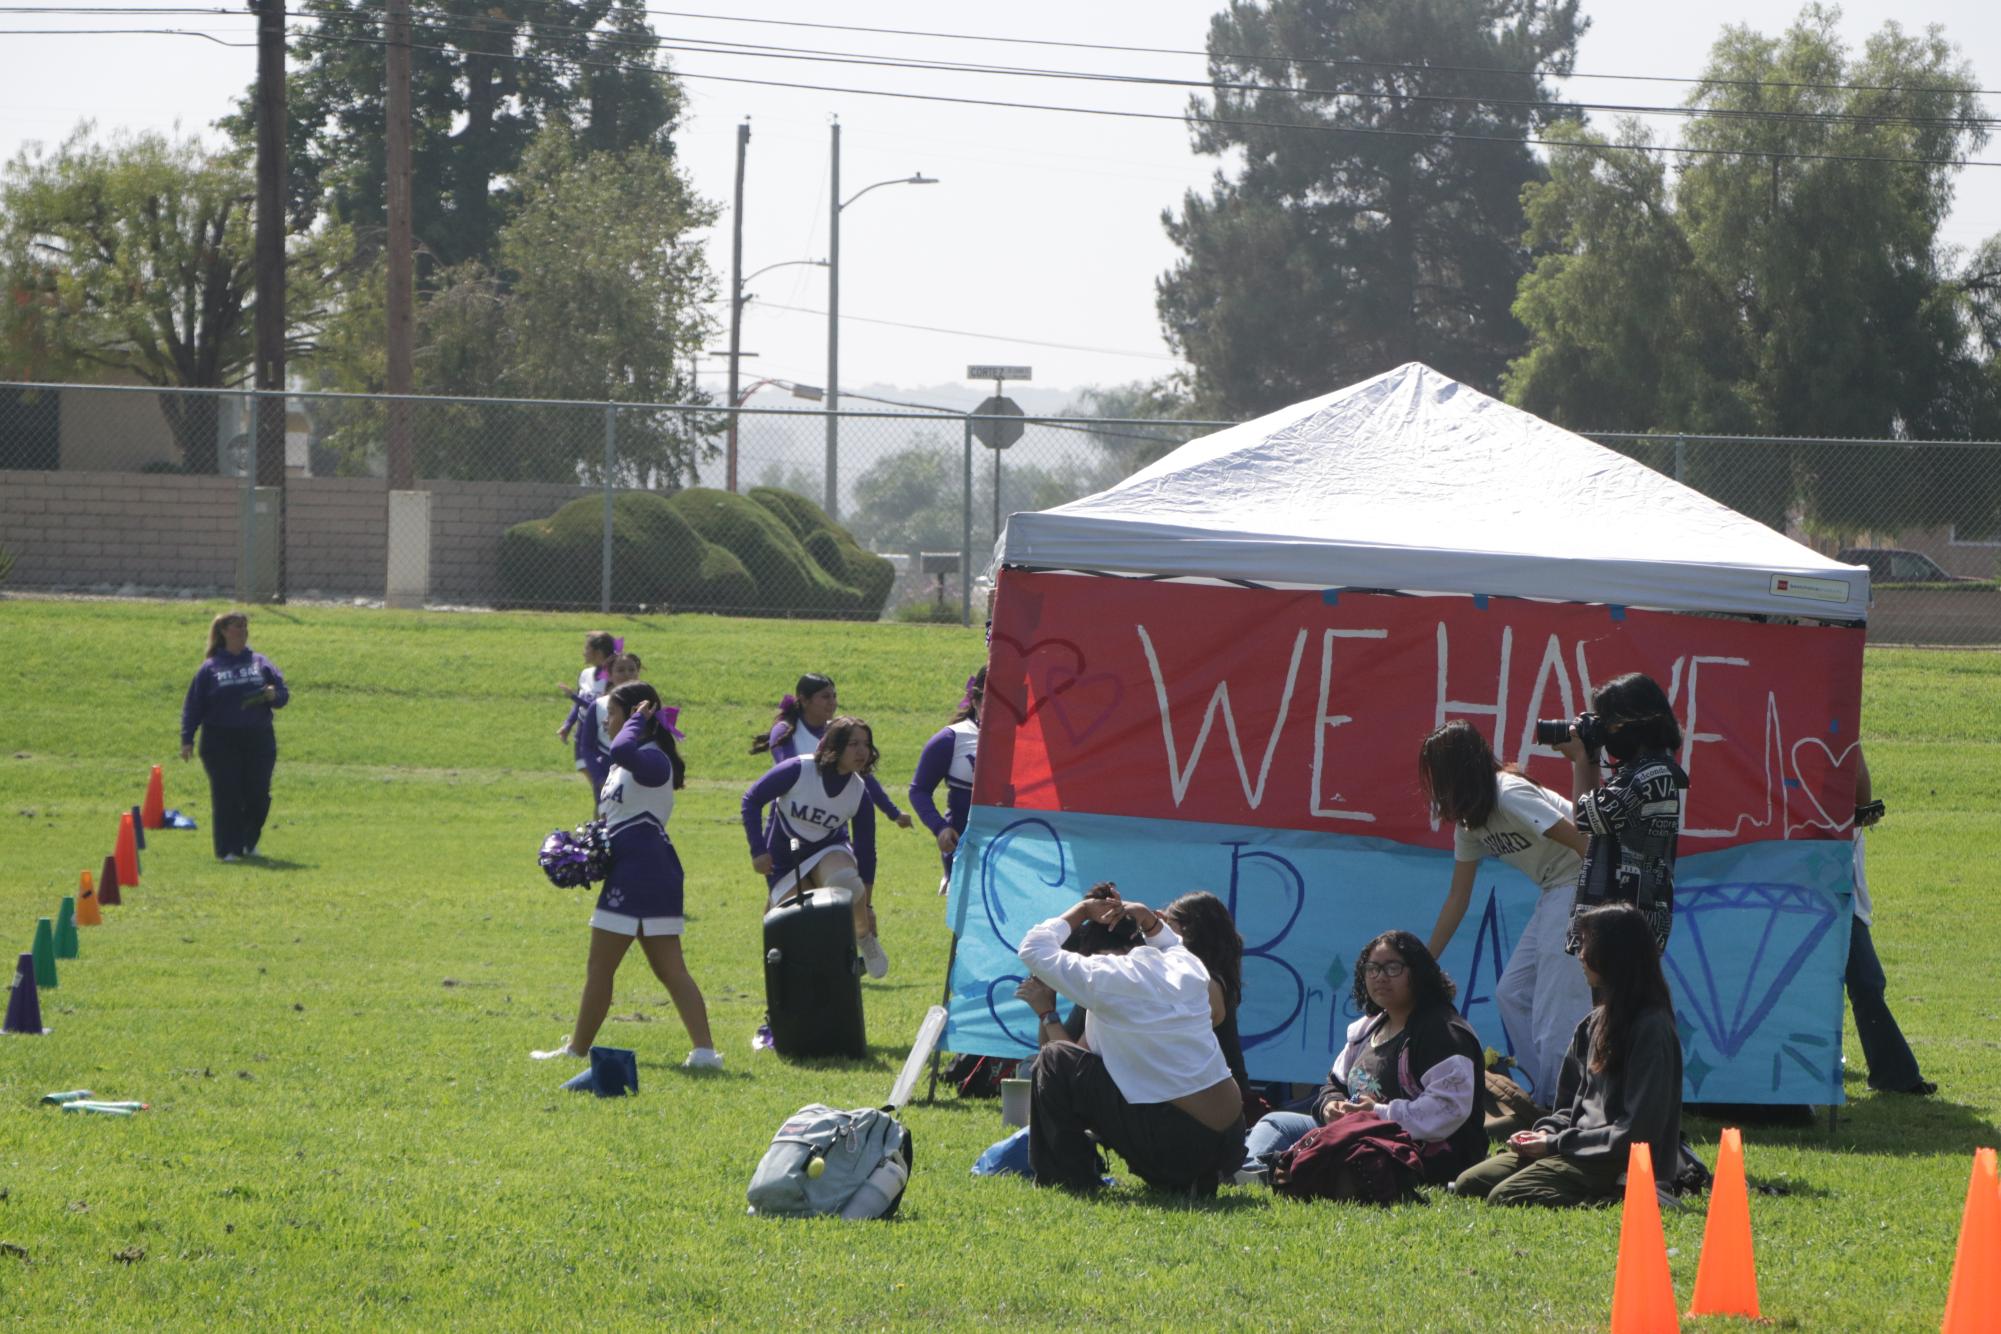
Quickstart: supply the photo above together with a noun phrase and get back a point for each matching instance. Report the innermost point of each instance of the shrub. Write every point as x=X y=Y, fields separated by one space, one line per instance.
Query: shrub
x=657 y=558
x=789 y=580
x=833 y=547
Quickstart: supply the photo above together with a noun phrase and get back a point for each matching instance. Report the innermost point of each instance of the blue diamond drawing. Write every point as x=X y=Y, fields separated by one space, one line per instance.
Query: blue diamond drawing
x=1778 y=926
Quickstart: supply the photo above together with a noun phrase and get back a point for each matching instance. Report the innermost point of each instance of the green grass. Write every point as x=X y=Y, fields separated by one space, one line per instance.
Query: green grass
x=345 y=1130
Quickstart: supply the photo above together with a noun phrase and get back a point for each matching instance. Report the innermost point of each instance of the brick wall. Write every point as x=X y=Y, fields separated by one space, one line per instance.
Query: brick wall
x=336 y=535
x=467 y=519
x=76 y=529
x=69 y=529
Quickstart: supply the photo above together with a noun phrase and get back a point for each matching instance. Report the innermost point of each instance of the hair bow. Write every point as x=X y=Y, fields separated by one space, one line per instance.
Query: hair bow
x=966 y=700
x=666 y=716
x=788 y=704
x=618 y=645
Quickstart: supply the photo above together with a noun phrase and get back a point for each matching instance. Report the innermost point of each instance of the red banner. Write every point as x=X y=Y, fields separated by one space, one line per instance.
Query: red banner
x=1304 y=710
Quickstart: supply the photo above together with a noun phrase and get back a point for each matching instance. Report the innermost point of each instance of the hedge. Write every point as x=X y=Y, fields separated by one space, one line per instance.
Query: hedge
x=658 y=559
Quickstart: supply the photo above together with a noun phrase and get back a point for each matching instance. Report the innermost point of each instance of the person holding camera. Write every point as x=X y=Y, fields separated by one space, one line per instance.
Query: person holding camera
x=1149 y=1079
x=1633 y=818
x=1495 y=812
x=1887 y=1056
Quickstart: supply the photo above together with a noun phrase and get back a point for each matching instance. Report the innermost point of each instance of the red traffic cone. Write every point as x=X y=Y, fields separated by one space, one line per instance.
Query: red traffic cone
x=128 y=852
x=107 y=884
x=24 y=1001
x=1643 y=1291
x=154 y=813
x=1973 y=1303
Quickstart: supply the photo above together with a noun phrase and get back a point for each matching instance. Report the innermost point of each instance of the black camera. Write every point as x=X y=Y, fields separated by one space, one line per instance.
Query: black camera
x=1587 y=727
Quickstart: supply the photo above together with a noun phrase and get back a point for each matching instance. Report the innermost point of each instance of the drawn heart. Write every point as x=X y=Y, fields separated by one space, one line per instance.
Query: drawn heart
x=1091 y=701
x=1057 y=677
x=1809 y=785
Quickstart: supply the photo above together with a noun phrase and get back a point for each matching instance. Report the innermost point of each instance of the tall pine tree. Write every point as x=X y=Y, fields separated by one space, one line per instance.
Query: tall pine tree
x=1320 y=257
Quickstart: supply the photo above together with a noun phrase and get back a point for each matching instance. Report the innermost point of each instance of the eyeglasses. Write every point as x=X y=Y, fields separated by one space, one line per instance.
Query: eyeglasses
x=1394 y=968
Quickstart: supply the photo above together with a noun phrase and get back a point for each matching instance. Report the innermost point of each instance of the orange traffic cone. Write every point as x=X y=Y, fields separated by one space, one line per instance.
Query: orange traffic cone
x=128 y=852
x=1726 y=1281
x=1973 y=1303
x=1643 y=1292
x=154 y=812
x=107 y=884
x=86 y=904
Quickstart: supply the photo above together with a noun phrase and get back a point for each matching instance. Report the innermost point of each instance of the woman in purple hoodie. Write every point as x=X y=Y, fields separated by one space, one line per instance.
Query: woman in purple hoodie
x=230 y=702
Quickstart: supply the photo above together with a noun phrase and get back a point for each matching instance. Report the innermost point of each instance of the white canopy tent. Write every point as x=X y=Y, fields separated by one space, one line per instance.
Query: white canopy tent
x=1414 y=482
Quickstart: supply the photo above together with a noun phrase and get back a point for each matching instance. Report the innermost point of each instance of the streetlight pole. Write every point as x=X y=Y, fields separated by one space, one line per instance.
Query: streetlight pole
x=738 y=300
x=736 y=289
x=832 y=495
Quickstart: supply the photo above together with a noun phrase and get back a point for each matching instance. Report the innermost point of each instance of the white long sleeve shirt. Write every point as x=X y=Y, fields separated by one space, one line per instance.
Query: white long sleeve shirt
x=1146 y=1012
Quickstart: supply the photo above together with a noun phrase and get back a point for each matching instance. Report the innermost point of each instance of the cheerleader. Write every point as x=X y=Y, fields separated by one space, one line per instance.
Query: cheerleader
x=600 y=647
x=948 y=758
x=641 y=898
x=597 y=763
x=815 y=801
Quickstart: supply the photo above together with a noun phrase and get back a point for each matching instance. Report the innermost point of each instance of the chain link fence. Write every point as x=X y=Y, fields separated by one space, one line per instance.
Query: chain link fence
x=790 y=512
x=766 y=511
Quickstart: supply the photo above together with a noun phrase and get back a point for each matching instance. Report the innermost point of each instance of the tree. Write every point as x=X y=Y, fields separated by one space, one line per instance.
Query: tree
x=1789 y=282
x=1328 y=257
x=914 y=499
x=600 y=290
x=134 y=257
x=1129 y=446
x=486 y=76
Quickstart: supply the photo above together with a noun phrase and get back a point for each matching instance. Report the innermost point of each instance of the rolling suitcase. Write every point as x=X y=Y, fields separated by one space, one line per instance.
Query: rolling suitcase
x=813 y=977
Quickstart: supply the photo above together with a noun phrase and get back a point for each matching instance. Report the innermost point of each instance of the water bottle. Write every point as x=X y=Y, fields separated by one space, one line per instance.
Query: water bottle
x=876 y=1194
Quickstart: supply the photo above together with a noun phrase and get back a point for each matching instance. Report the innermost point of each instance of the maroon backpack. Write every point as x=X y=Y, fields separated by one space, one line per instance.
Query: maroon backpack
x=1357 y=1157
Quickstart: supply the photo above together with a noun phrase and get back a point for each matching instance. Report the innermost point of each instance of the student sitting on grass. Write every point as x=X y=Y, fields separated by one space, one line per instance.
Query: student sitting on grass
x=1621 y=1080
x=1410 y=1059
x=1149 y=1080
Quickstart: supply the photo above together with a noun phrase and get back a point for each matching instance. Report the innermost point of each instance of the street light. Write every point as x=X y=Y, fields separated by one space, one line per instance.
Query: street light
x=835 y=205
x=737 y=300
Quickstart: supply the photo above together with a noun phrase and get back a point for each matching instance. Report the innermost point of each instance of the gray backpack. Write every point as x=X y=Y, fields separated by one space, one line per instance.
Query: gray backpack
x=866 y=1155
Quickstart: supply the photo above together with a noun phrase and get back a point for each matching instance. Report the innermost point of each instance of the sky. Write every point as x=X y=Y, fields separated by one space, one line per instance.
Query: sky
x=1040 y=244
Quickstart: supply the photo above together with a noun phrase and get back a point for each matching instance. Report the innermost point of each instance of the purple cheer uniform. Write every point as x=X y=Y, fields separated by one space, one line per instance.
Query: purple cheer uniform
x=636 y=802
x=946 y=758
x=815 y=807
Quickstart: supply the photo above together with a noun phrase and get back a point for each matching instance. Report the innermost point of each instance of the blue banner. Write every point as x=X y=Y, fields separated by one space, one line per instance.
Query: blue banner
x=1756 y=960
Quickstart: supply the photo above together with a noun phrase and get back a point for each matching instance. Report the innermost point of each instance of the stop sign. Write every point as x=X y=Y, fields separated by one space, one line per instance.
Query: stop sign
x=997 y=434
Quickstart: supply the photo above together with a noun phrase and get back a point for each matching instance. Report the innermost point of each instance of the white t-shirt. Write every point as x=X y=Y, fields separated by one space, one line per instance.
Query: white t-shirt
x=1523 y=813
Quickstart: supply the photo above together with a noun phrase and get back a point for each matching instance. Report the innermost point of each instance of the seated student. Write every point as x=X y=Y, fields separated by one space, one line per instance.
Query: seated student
x=1210 y=933
x=1410 y=1059
x=1621 y=1080
x=1149 y=1079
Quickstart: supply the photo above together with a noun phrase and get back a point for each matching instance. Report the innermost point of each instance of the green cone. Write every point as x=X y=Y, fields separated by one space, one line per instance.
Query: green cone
x=45 y=953
x=66 y=928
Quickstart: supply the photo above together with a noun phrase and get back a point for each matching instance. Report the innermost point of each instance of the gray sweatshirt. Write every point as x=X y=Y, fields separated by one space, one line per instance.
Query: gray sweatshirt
x=1596 y=1116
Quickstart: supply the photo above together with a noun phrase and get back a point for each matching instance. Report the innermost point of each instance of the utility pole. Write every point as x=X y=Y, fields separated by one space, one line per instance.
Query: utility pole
x=831 y=501
x=402 y=260
x=270 y=262
x=736 y=295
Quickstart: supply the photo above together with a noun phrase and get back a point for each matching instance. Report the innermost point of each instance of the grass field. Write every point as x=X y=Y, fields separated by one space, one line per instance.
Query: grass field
x=345 y=1130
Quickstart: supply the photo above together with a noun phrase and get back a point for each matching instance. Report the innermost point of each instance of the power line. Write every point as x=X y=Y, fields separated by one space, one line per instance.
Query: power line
x=815 y=55
x=1331 y=62
x=970 y=333
x=1183 y=118
x=1253 y=57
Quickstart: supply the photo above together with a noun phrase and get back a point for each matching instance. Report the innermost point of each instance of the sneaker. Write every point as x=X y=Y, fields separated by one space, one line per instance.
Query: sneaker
x=231 y=857
x=1253 y=1173
x=561 y=1049
x=703 y=1058
x=763 y=1040
x=252 y=851
x=873 y=956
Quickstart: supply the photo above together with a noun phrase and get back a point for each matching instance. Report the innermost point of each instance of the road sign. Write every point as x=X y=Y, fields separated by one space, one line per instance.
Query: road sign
x=997 y=434
x=1000 y=372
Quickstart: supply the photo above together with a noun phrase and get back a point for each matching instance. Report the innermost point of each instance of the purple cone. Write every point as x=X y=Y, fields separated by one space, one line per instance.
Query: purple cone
x=24 y=1002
